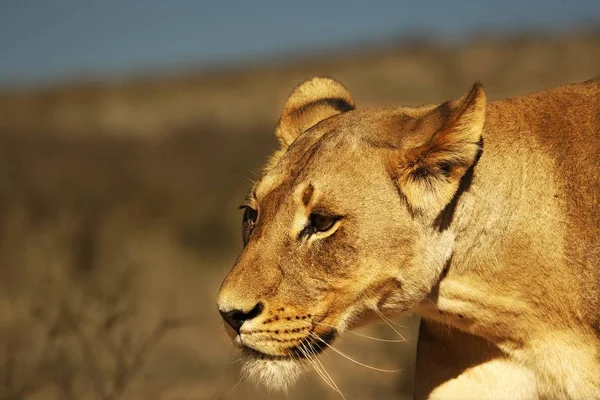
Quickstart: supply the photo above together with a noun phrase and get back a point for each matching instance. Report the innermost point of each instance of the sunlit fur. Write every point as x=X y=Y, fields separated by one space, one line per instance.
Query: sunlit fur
x=481 y=217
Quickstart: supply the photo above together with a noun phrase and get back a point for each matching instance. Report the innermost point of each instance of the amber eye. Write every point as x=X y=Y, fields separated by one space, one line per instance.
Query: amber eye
x=248 y=222
x=322 y=222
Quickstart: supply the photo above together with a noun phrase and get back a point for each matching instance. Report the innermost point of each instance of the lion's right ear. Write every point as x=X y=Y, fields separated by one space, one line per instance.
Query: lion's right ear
x=447 y=142
x=310 y=103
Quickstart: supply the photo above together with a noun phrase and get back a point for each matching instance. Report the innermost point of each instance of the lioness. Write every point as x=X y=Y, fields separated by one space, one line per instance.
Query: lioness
x=482 y=218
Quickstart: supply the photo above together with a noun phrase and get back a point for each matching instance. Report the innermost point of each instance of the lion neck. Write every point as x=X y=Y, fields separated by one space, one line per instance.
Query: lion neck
x=501 y=282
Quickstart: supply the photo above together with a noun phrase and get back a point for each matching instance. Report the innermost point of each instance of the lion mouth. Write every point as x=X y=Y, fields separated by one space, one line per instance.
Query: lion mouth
x=280 y=372
x=308 y=347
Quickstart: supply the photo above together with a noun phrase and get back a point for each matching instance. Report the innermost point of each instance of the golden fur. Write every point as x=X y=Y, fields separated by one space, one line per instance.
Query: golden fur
x=481 y=217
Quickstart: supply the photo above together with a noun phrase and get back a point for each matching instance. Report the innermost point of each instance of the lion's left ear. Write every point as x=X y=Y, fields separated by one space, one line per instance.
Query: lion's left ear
x=429 y=171
x=310 y=103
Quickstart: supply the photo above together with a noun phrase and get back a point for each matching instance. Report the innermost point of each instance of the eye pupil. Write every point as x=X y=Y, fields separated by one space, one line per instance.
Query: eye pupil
x=248 y=222
x=250 y=215
x=321 y=223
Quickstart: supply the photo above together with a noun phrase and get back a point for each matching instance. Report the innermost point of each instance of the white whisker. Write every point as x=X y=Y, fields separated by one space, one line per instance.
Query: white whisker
x=309 y=359
x=367 y=336
x=238 y=383
x=325 y=379
x=351 y=359
x=316 y=358
x=388 y=323
x=435 y=306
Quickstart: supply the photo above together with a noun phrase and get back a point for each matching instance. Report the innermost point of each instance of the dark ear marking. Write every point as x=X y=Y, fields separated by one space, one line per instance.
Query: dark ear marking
x=445 y=218
x=336 y=104
x=311 y=102
x=445 y=169
x=429 y=172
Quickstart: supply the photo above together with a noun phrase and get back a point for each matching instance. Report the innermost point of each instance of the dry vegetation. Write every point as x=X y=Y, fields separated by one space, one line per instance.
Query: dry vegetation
x=118 y=209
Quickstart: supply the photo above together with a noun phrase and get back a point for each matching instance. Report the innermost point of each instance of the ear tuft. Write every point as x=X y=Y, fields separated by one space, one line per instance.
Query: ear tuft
x=429 y=173
x=310 y=103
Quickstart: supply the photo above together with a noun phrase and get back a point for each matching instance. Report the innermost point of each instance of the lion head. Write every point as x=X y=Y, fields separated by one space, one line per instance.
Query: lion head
x=347 y=221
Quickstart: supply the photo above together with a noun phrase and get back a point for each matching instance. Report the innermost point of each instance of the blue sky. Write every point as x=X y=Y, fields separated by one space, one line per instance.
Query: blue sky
x=45 y=40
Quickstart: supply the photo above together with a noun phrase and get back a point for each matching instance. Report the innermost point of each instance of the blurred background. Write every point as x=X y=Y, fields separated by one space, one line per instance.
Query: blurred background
x=129 y=132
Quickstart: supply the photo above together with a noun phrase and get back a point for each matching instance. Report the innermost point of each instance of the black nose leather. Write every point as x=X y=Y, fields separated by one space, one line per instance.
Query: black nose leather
x=236 y=318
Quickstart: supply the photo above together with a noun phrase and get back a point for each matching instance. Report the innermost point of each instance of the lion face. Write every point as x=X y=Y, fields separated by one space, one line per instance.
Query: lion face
x=342 y=225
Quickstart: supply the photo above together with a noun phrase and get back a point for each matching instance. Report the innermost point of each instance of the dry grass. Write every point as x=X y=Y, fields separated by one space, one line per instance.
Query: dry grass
x=119 y=220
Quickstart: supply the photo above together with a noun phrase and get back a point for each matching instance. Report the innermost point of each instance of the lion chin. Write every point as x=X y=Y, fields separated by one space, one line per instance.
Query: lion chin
x=275 y=375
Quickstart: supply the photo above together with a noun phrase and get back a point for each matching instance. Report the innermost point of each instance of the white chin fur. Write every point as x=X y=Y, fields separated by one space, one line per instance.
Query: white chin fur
x=277 y=375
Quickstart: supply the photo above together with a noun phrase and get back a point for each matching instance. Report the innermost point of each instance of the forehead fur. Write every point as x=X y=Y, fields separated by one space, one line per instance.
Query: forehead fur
x=353 y=136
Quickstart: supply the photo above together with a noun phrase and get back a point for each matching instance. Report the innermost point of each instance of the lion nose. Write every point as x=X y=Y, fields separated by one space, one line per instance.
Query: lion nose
x=236 y=318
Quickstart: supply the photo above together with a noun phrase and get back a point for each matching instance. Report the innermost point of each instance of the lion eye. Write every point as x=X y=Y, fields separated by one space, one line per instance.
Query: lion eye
x=321 y=222
x=248 y=222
